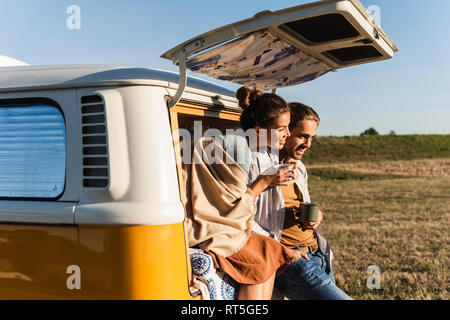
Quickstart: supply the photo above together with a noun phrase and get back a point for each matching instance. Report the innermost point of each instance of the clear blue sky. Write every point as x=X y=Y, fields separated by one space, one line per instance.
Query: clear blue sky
x=408 y=94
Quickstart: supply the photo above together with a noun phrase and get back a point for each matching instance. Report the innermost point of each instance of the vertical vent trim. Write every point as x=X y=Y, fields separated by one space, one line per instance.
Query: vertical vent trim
x=94 y=142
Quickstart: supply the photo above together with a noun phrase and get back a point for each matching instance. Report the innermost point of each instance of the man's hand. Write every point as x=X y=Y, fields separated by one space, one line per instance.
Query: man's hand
x=313 y=225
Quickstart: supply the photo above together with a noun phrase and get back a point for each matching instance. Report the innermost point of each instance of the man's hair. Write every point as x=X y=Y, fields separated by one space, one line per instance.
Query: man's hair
x=300 y=112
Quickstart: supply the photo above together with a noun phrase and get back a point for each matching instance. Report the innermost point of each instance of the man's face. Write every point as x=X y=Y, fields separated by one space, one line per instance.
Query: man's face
x=300 y=139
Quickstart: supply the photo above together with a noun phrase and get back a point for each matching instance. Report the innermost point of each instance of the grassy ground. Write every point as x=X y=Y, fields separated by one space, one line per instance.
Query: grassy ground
x=395 y=219
x=378 y=148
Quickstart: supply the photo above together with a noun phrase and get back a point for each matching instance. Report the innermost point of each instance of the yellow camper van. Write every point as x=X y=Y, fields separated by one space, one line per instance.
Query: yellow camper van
x=92 y=186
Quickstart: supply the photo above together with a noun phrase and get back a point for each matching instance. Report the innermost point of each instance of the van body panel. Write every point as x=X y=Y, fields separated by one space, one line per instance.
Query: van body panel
x=126 y=239
x=135 y=116
x=198 y=97
x=287 y=47
x=143 y=182
x=34 y=261
x=114 y=262
x=32 y=78
x=133 y=262
x=41 y=212
x=272 y=20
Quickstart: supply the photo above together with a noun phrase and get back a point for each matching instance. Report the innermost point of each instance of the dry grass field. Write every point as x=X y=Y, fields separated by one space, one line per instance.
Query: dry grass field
x=393 y=214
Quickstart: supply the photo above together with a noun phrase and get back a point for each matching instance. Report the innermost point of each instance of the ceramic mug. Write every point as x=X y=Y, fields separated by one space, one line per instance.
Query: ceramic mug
x=273 y=170
x=310 y=212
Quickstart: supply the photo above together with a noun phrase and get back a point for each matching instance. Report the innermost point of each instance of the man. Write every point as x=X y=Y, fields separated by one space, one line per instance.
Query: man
x=310 y=278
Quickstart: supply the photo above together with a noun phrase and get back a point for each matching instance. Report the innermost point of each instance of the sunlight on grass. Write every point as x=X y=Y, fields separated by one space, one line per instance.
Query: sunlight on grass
x=399 y=224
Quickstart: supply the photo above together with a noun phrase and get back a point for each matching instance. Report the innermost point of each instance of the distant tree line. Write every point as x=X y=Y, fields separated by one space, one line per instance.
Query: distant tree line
x=372 y=132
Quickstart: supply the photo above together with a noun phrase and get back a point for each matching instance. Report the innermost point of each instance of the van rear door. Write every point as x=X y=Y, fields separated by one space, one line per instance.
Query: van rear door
x=287 y=47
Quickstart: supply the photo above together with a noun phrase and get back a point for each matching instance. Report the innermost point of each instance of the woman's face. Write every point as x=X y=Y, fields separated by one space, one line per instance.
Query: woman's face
x=279 y=131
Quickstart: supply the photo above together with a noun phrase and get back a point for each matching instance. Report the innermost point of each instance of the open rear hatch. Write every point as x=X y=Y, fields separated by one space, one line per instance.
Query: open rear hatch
x=285 y=47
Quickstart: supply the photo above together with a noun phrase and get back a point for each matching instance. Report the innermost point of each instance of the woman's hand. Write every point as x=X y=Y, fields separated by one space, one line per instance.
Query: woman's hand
x=298 y=254
x=283 y=177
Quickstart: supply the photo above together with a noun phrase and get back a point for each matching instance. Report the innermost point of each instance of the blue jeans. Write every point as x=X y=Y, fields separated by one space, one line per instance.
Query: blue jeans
x=307 y=280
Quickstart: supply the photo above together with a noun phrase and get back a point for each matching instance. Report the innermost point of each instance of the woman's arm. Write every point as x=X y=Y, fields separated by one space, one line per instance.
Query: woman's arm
x=259 y=186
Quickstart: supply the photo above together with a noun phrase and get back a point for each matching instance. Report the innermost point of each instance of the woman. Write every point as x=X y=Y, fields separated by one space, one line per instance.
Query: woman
x=223 y=204
x=272 y=113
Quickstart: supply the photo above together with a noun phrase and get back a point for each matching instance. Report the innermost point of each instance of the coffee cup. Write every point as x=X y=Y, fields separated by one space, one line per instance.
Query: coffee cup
x=273 y=170
x=310 y=212
x=293 y=171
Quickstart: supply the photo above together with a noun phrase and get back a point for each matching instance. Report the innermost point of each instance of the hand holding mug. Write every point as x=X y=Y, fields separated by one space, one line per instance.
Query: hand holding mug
x=310 y=216
x=281 y=175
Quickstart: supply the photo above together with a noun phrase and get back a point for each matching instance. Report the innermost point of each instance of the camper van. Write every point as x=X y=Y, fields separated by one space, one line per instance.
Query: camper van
x=92 y=186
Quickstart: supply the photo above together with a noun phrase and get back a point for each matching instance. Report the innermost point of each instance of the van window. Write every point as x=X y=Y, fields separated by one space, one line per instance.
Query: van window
x=323 y=28
x=32 y=151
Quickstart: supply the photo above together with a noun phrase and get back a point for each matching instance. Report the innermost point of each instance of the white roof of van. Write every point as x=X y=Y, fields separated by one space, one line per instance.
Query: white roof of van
x=76 y=76
x=9 y=62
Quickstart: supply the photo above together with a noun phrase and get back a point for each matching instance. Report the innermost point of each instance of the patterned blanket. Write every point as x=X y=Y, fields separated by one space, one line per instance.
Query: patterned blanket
x=219 y=285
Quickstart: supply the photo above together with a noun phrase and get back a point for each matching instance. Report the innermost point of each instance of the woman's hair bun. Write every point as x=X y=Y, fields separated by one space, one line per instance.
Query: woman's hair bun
x=246 y=96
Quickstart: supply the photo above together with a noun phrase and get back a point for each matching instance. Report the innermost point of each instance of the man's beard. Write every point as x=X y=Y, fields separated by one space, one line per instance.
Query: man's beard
x=298 y=156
